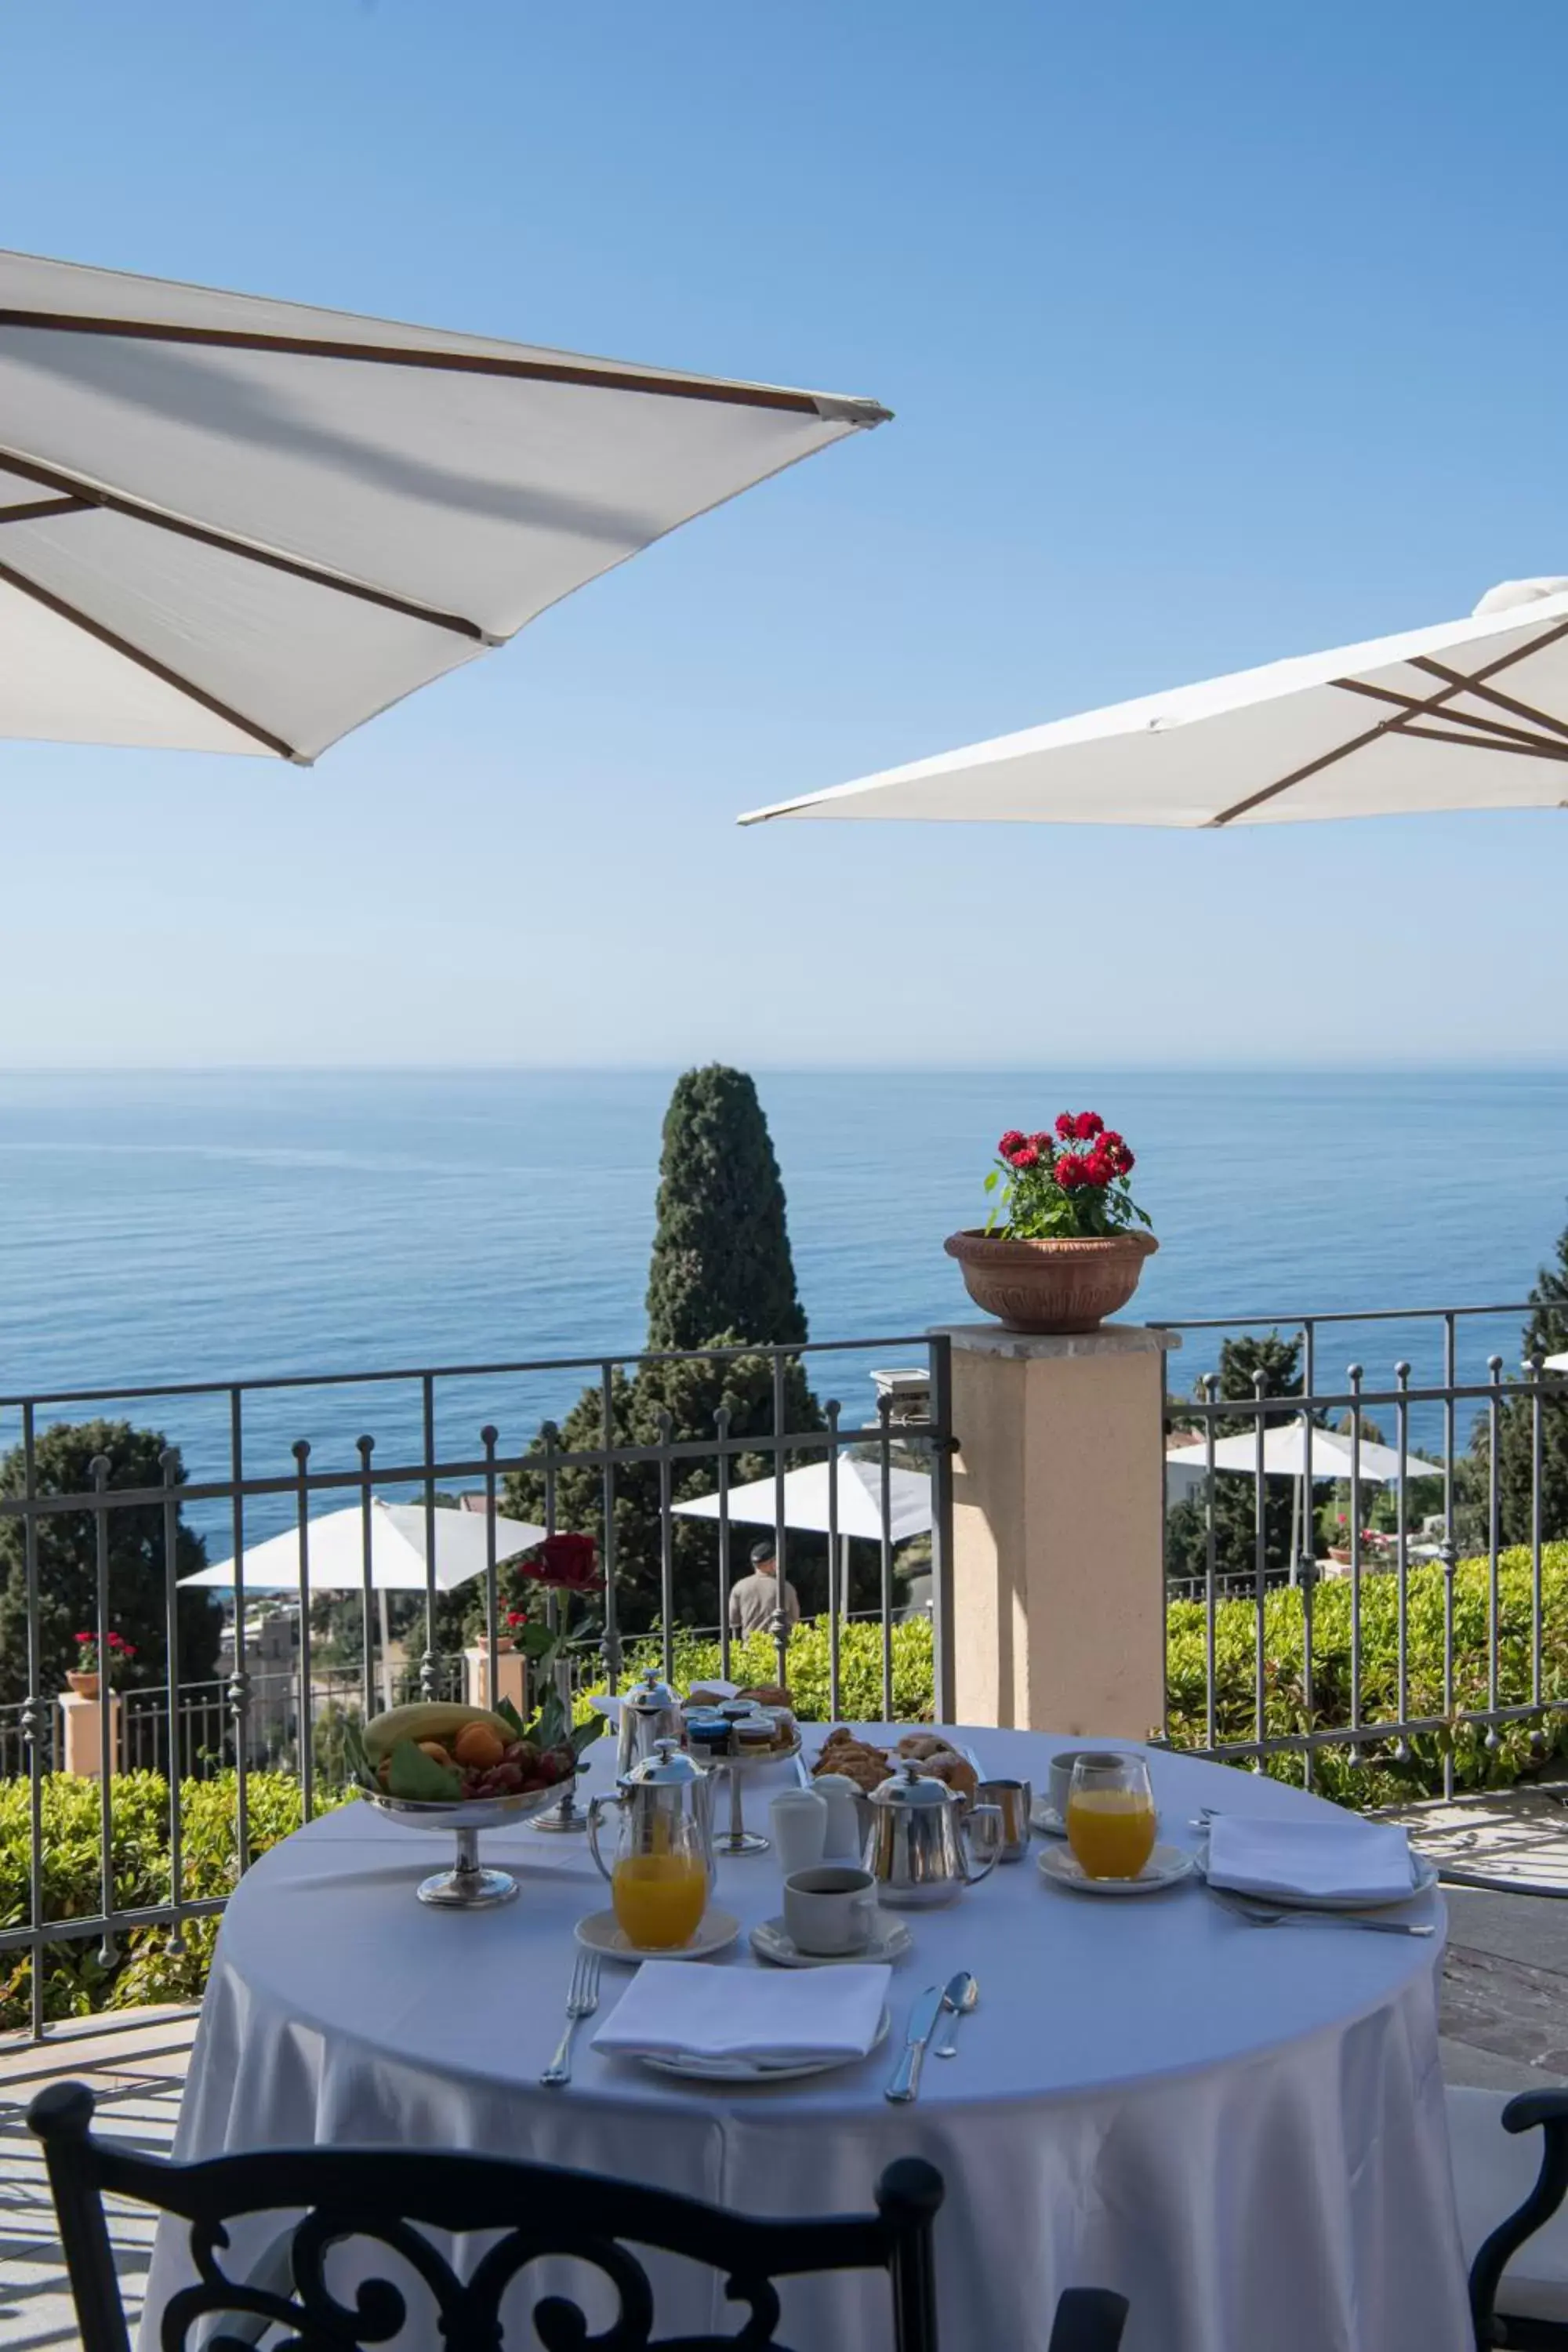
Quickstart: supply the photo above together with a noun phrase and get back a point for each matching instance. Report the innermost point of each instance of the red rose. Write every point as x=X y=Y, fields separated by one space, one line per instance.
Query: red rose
x=1097 y=1169
x=1041 y=1141
x=1066 y=1126
x=85 y=1637
x=1069 y=1172
x=1088 y=1125
x=1116 y=1152
x=1025 y=1156
x=1013 y=1141
x=569 y=1562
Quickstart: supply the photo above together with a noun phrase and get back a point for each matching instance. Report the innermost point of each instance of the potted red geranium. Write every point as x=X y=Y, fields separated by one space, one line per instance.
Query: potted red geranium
x=1061 y=1248
x=85 y=1676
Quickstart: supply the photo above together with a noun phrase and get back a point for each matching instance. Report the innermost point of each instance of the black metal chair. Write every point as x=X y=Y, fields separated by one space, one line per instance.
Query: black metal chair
x=1527 y=2311
x=380 y=2195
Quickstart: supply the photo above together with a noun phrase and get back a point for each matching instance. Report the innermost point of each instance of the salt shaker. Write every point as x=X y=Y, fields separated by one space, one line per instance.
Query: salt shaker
x=843 y=1795
x=799 y=1817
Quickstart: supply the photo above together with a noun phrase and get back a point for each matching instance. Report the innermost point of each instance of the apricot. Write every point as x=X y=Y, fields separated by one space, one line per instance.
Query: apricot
x=478 y=1747
x=436 y=1752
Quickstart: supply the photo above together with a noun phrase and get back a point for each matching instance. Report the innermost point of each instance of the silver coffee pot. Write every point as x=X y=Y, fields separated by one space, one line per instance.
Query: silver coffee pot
x=665 y=1806
x=650 y=1712
x=918 y=1848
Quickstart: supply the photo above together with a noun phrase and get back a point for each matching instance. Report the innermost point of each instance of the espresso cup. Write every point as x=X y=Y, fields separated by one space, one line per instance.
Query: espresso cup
x=830 y=1910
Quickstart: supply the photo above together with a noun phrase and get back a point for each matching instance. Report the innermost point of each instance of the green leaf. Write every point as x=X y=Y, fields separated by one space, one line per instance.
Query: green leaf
x=418 y=1777
x=538 y=1641
x=509 y=1714
x=585 y=1734
x=549 y=1727
x=992 y=1180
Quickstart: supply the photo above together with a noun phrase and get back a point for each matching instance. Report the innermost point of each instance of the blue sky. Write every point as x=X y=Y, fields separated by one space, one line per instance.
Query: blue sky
x=1214 y=332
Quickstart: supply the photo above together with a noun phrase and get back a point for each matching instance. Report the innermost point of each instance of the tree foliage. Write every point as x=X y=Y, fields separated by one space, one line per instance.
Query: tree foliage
x=1545 y=1334
x=721 y=1259
x=721 y=1277
x=67 y=1563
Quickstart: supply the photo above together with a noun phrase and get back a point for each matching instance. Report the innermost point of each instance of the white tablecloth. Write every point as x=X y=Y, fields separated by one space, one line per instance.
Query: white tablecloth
x=1241 y=2129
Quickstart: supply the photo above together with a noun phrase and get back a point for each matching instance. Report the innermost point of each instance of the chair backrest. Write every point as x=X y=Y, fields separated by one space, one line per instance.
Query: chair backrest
x=390 y=2196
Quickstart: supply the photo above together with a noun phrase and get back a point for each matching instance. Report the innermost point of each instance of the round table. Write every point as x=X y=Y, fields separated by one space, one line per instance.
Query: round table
x=1241 y=2129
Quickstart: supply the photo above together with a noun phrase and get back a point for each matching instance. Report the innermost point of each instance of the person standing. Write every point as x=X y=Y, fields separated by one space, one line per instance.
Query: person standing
x=754 y=1601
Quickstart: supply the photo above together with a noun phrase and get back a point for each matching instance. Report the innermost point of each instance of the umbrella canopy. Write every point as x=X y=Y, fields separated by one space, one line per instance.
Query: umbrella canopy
x=805 y=1501
x=396 y=1552
x=229 y=524
x=1468 y=714
x=1285 y=1456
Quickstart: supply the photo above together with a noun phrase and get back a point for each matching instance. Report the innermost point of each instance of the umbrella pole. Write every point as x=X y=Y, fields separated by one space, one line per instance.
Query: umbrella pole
x=385 y=1647
x=1295 y=1527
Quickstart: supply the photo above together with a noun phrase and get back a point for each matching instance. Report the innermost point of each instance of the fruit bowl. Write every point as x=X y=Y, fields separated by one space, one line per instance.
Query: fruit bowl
x=468 y=1885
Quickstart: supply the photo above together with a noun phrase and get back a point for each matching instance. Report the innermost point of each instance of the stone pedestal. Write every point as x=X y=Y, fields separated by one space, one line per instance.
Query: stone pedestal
x=82 y=1748
x=1058 y=1583
x=511 y=1678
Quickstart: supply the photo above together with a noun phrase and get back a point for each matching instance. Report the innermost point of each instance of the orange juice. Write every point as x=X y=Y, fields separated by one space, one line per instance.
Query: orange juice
x=659 y=1898
x=1111 y=1830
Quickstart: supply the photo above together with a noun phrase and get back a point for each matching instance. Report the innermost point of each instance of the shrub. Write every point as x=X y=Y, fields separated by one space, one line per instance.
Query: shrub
x=756 y=1660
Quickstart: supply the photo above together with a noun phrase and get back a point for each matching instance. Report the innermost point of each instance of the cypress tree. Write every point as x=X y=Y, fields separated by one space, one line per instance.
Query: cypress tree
x=722 y=1275
x=721 y=1260
x=1545 y=1334
x=1235 y=1500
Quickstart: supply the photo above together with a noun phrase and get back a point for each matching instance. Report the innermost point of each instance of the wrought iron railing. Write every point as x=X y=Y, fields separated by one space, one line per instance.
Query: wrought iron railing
x=1362 y=1718
x=226 y=1490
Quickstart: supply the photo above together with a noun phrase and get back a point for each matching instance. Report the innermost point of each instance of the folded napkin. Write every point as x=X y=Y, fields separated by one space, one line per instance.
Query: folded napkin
x=677 y=2009
x=1370 y=1859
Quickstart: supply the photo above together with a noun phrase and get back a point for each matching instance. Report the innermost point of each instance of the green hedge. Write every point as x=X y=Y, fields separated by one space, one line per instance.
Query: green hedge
x=1520 y=1746
x=147 y=1969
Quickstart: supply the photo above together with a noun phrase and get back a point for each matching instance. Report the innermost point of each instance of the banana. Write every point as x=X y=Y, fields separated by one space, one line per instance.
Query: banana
x=439 y=1719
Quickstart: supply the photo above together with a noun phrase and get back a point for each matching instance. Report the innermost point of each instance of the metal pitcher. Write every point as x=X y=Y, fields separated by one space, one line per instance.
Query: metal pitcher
x=650 y=1712
x=918 y=1847
x=665 y=1801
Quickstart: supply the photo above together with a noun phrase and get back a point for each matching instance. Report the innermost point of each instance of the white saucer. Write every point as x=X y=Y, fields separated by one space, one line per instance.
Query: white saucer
x=751 y=2070
x=1423 y=1878
x=599 y=1932
x=890 y=1939
x=1166 y=1866
x=1046 y=1820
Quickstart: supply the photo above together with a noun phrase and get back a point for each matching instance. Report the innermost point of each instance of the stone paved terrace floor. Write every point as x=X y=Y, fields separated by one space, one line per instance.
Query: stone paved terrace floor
x=1505 y=2027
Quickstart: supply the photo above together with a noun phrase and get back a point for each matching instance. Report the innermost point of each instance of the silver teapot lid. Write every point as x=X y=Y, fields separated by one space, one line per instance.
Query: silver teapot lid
x=669 y=1766
x=649 y=1694
x=910 y=1786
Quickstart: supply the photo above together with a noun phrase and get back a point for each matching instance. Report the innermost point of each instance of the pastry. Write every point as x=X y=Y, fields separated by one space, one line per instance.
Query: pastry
x=921 y=1744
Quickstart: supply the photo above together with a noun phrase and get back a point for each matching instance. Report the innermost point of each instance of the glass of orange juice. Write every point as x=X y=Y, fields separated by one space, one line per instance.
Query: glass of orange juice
x=1111 y=1816
x=659 y=1886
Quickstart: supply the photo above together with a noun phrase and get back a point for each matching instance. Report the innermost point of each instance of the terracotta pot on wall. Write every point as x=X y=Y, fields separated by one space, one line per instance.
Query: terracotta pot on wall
x=1050 y=1286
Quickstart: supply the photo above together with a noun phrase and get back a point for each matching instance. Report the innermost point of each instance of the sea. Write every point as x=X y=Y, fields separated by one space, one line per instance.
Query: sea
x=230 y=1227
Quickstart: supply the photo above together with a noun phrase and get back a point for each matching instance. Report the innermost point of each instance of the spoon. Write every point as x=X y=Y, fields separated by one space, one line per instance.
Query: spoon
x=959 y=1996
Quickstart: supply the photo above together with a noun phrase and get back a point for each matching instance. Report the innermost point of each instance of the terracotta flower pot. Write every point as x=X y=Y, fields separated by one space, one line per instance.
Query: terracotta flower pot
x=84 y=1686
x=1050 y=1286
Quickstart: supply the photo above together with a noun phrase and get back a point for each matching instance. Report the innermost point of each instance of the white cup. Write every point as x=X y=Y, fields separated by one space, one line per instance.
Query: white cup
x=1059 y=1784
x=799 y=1818
x=844 y=1802
x=831 y=1910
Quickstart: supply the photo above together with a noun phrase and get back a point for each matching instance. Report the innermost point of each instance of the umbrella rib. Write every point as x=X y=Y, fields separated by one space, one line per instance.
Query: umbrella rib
x=1490 y=734
x=1500 y=743
x=149 y=662
x=80 y=492
x=33 y=509
x=1395 y=725
x=604 y=379
x=1492 y=694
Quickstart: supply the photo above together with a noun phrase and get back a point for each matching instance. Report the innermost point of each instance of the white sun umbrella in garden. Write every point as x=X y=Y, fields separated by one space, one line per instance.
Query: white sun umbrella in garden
x=233 y=524
x=1464 y=714
x=1285 y=1453
x=398 y=1556
x=807 y=1504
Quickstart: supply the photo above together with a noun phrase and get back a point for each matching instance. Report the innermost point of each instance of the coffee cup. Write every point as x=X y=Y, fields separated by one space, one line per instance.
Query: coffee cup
x=830 y=1911
x=1059 y=1783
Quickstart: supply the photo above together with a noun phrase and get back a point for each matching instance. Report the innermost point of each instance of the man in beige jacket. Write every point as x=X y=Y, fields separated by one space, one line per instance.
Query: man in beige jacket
x=754 y=1599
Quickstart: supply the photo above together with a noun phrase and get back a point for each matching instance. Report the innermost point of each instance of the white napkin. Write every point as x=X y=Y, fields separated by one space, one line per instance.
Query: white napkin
x=1347 y=1856
x=677 y=2009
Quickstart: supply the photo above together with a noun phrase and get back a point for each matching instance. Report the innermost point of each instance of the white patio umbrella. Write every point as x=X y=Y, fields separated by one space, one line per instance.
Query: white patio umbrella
x=1465 y=714
x=230 y=524
x=806 y=1504
x=1285 y=1456
x=397 y=1557
x=805 y=1501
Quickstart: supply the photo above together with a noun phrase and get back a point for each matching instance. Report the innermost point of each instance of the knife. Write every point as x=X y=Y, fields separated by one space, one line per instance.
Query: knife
x=906 y=2079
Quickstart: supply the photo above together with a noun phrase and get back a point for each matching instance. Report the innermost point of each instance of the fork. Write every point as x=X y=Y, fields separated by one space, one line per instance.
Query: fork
x=582 y=2001
x=1263 y=1914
